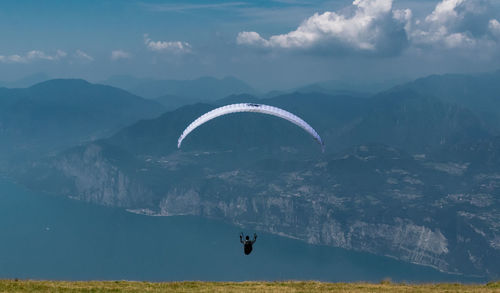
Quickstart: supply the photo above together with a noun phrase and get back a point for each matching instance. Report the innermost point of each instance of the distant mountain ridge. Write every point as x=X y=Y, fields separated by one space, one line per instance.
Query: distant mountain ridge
x=26 y=81
x=63 y=112
x=200 y=89
x=338 y=87
x=403 y=119
x=416 y=122
x=477 y=92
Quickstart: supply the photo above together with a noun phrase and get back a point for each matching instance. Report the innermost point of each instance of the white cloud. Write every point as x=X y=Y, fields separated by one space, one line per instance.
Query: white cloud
x=373 y=22
x=167 y=47
x=404 y=16
x=251 y=38
x=494 y=27
x=444 y=12
x=84 y=56
x=437 y=25
x=374 y=26
x=61 y=54
x=120 y=54
x=454 y=24
x=32 y=56
x=12 y=59
x=456 y=40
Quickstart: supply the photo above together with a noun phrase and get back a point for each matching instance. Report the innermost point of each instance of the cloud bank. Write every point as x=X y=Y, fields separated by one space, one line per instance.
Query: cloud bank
x=31 y=56
x=37 y=55
x=368 y=29
x=456 y=24
x=375 y=27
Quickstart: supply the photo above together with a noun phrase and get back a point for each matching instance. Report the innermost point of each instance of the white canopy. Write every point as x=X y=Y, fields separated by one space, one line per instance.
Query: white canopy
x=250 y=107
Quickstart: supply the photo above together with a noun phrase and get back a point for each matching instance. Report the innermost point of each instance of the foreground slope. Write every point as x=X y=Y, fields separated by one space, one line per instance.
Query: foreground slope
x=290 y=286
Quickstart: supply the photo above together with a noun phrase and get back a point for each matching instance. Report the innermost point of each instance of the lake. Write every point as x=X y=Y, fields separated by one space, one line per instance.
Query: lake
x=49 y=237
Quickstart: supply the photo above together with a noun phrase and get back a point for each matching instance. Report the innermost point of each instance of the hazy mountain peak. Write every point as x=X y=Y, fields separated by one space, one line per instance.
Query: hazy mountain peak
x=72 y=82
x=26 y=81
x=200 y=89
x=477 y=92
x=61 y=112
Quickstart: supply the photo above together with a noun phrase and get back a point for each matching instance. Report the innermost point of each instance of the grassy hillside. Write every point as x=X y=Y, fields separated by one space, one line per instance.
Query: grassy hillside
x=126 y=286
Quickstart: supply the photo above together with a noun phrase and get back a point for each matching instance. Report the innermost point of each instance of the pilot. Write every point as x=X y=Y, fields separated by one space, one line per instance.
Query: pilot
x=247 y=244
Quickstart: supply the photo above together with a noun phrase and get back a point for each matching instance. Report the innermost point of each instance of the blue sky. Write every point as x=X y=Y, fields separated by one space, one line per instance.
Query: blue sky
x=270 y=44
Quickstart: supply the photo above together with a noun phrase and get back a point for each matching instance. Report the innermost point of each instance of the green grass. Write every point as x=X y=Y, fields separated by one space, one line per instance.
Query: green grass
x=289 y=286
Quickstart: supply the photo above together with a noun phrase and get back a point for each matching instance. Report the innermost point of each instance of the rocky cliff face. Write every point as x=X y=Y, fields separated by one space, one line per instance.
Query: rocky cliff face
x=94 y=179
x=369 y=198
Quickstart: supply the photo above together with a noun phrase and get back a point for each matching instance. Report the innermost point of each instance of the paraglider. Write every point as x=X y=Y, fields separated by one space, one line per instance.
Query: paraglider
x=256 y=108
x=250 y=107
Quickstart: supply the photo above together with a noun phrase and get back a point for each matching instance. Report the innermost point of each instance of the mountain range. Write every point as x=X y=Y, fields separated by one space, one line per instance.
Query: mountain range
x=477 y=92
x=410 y=172
x=200 y=89
x=26 y=81
x=60 y=113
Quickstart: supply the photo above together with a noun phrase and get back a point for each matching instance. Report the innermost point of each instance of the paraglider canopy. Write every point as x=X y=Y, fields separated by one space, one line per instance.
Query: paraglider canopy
x=250 y=107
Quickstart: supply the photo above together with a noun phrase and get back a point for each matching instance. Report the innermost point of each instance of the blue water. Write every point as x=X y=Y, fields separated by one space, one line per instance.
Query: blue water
x=47 y=237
